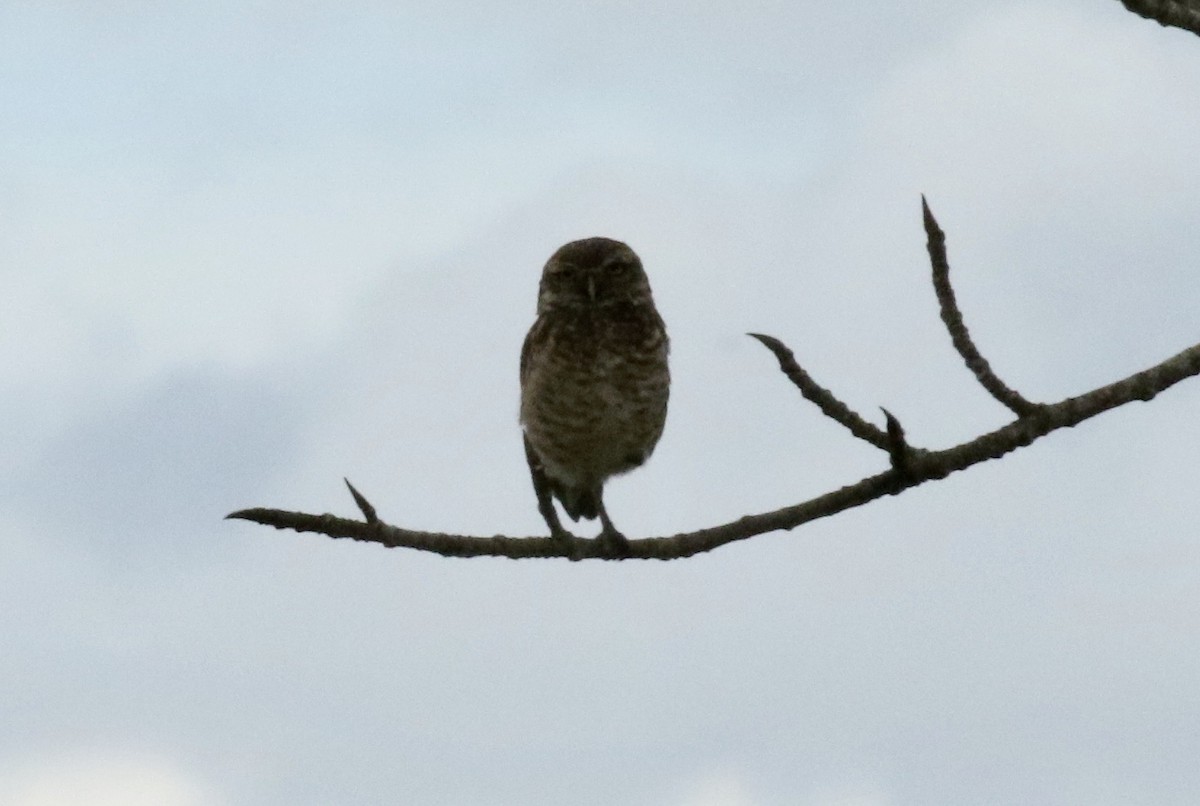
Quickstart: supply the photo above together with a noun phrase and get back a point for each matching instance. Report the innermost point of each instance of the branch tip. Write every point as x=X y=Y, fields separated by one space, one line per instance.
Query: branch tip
x=259 y=515
x=770 y=342
x=931 y=224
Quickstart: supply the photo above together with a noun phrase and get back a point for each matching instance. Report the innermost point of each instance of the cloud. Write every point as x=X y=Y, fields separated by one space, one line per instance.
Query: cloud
x=718 y=789
x=847 y=796
x=102 y=779
x=147 y=475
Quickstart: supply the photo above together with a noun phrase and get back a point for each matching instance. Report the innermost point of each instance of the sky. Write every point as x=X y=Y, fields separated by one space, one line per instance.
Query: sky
x=249 y=249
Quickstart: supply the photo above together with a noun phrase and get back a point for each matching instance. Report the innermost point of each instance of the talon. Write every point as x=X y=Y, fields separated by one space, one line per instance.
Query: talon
x=570 y=543
x=614 y=543
x=611 y=540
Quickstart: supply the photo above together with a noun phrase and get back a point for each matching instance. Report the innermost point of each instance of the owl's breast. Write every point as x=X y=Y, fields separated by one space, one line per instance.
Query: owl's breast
x=594 y=394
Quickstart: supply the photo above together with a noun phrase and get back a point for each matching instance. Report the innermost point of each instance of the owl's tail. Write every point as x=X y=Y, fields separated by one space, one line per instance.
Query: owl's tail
x=578 y=502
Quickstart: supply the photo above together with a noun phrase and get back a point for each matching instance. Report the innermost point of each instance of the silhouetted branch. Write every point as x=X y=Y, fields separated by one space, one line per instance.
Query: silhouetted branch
x=953 y=319
x=921 y=468
x=1183 y=14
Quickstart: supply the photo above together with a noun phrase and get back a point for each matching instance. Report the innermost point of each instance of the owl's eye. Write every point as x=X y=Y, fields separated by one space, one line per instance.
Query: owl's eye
x=618 y=266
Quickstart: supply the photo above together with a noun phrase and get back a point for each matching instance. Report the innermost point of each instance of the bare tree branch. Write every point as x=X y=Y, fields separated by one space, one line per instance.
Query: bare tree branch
x=953 y=319
x=925 y=467
x=1183 y=14
x=909 y=466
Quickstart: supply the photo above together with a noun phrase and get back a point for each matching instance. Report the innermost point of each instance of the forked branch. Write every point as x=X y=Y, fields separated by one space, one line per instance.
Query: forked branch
x=908 y=466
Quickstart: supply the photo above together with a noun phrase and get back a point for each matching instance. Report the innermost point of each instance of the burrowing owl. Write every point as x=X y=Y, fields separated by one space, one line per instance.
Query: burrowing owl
x=594 y=380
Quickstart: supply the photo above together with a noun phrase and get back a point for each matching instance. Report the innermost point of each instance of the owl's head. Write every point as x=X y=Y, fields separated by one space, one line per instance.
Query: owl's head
x=593 y=273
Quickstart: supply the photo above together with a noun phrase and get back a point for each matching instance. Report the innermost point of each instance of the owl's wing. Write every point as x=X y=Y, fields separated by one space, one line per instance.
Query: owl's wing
x=527 y=347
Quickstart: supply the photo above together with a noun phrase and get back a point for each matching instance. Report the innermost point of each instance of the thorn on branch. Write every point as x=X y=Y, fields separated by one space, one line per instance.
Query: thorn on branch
x=898 y=449
x=364 y=505
x=952 y=317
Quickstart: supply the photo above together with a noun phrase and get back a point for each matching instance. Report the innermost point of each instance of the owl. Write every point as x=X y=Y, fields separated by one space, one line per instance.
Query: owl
x=594 y=381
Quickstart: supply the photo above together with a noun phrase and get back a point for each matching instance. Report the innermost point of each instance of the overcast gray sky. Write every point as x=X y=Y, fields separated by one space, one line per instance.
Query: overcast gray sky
x=250 y=249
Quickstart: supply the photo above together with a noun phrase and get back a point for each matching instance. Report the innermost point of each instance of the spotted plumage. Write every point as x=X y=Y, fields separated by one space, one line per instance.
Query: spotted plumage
x=594 y=379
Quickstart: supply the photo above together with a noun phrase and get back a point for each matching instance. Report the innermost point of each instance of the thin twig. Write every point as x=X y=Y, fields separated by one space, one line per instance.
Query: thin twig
x=953 y=319
x=829 y=405
x=922 y=467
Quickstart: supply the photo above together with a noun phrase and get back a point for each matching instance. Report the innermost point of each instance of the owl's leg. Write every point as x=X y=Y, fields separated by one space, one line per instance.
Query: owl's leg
x=613 y=541
x=541 y=488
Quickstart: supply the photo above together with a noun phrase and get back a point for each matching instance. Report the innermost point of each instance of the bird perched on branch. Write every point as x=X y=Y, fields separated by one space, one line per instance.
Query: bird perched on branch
x=594 y=381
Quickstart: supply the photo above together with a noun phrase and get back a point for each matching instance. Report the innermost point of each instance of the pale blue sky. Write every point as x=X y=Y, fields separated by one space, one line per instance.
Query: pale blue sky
x=248 y=250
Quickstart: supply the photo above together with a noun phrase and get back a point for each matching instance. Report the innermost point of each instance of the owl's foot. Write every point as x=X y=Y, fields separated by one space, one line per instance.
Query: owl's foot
x=613 y=543
x=570 y=543
x=611 y=540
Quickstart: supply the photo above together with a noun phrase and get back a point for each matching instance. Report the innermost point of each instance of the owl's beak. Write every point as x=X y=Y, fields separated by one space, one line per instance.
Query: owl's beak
x=591 y=286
